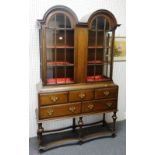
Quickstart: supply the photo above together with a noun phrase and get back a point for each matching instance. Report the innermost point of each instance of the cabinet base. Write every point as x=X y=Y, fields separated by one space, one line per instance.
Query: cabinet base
x=73 y=137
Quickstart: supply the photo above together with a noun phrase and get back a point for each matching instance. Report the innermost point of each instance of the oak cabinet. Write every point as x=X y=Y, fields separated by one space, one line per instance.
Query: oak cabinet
x=76 y=64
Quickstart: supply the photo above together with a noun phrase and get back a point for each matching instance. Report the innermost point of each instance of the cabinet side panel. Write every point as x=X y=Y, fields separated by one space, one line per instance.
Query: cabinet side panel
x=81 y=55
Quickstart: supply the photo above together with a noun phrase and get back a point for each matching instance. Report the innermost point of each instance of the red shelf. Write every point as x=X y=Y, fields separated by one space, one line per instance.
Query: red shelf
x=59 y=80
x=95 y=62
x=59 y=63
x=98 y=47
x=96 y=78
x=62 y=47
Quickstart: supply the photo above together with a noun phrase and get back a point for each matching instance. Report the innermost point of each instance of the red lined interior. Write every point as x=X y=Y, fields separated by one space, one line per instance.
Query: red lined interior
x=59 y=80
x=93 y=62
x=96 y=78
x=58 y=63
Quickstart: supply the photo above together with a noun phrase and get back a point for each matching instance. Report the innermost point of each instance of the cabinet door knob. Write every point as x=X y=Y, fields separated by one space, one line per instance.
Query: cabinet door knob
x=54 y=98
x=109 y=105
x=50 y=112
x=106 y=93
x=91 y=106
x=82 y=95
x=72 y=109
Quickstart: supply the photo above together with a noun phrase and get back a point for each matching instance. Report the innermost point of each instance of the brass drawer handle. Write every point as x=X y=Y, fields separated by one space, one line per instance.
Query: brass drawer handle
x=72 y=109
x=109 y=105
x=82 y=95
x=50 y=112
x=106 y=93
x=91 y=106
x=54 y=98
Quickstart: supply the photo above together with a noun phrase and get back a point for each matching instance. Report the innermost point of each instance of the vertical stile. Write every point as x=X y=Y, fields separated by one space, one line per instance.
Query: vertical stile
x=96 y=30
x=112 y=48
x=55 y=51
x=107 y=55
x=104 y=46
x=65 y=47
x=44 y=73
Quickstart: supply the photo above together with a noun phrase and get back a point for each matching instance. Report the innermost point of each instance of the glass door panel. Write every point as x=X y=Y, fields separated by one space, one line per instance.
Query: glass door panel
x=60 y=50
x=91 y=38
x=70 y=56
x=60 y=20
x=70 y=38
x=50 y=55
x=91 y=56
x=100 y=39
x=69 y=74
x=60 y=38
x=50 y=38
x=99 y=50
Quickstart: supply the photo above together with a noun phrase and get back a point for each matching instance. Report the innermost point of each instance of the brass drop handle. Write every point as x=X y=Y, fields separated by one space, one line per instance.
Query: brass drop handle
x=109 y=105
x=50 y=112
x=54 y=98
x=91 y=106
x=82 y=95
x=106 y=93
x=72 y=109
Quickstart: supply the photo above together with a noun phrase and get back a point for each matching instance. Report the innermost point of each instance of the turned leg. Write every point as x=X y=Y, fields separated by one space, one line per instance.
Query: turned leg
x=74 y=124
x=39 y=132
x=114 y=117
x=80 y=123
x=103 y=119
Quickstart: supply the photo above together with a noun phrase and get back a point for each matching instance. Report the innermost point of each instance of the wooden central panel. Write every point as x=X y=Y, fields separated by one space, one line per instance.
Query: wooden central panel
x=81 y=35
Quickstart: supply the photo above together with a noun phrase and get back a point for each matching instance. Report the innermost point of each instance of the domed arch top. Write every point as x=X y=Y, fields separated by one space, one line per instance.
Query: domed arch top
x=62 y=13
x=102 y=16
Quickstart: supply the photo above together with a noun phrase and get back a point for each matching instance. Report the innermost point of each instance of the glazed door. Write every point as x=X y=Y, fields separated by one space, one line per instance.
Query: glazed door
x=99 y=62
x=59 y=50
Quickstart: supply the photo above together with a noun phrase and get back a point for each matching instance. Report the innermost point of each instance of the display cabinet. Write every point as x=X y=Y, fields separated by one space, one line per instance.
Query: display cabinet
x=76 y=64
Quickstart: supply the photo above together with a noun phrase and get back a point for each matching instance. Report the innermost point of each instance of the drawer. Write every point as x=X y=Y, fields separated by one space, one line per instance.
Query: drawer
x=99 y=105
x=81 y=95
x=59 y=110
x=106 y=93
x=53 y=98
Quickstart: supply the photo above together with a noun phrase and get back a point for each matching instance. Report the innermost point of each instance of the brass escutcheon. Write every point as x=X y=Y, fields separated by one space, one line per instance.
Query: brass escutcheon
x=82 y=95
x=54 y=98
x=72 y=109
x=109 y=105
x=50 y=112
x=91 y=106
x=106 y=93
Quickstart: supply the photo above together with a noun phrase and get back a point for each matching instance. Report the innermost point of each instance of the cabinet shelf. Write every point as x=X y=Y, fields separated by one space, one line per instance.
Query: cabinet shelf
x=98 y=62
x=68 y=29
x=99 y=30
x=96 y=78
x=90 y=47
x=61 y=47
x=59 y=63
x=59 y=80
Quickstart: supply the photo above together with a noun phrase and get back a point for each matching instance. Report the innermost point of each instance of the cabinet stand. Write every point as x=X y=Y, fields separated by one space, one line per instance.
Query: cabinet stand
x=79 y=134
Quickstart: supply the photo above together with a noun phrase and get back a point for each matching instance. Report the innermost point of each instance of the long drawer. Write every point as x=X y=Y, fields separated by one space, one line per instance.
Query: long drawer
x=53 y=98
x=59 y=110
x=81 y=95
x=99 y=105
x=106 y=93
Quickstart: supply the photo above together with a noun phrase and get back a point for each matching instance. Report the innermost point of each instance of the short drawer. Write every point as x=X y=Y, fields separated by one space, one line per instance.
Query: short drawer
x=52 y=98
x=99 y=105
x=81 y=95
x=59 y=110
x=106 y=93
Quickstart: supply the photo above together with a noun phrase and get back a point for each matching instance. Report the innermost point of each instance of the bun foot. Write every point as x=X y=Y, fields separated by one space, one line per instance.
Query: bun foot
x=113 y=135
